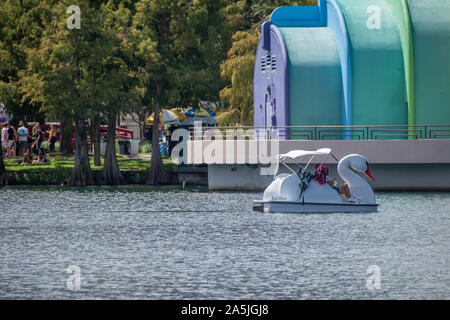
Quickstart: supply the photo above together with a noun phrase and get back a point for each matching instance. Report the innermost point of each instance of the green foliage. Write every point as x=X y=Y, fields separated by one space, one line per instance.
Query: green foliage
x=238 y=69
x=21 y=26
x=46 y=146
x=180 y=46
x=59 y=169
x=76 y=71
x=145 y=146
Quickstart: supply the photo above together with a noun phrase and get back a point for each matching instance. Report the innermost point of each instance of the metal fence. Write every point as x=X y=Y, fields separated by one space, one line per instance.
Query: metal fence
x=375 y=132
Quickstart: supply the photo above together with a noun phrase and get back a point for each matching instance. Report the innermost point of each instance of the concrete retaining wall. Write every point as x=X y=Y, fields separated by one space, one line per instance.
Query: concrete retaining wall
x=395 y=164
x=392 y=177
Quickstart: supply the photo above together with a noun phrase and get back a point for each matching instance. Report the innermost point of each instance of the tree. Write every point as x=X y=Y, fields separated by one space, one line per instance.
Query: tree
x=60 y=73
x=151 y=37
x=111 y=172
x=21 y=26
x=179 y=46
x=238 y=69
x=117 y=89
x=66 y=133
x=79 y=73
x=95 y=139
x=81 y=174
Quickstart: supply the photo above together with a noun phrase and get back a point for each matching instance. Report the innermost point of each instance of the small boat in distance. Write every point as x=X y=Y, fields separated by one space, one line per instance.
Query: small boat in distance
x=298 y=192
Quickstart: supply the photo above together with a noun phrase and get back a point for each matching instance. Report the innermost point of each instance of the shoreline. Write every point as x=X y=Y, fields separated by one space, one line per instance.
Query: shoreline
x=134 y=170
x=137 y=178
x=52 y=177
x=58 y=170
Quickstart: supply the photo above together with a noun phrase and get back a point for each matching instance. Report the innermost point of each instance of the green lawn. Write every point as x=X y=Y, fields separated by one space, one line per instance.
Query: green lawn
x=59 y=169
x=125 y=164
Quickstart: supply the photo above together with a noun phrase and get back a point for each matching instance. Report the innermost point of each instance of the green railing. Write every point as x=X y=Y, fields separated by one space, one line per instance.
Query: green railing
x=371 y=132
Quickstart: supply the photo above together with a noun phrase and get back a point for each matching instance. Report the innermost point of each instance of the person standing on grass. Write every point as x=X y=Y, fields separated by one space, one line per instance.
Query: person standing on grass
x=24 y=134
x=16 y=141
x=37 y=138
x=52 y=138
x=11 y=136
x=4 y=137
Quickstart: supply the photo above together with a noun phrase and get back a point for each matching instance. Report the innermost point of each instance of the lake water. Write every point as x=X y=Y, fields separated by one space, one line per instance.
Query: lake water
x=144 y=243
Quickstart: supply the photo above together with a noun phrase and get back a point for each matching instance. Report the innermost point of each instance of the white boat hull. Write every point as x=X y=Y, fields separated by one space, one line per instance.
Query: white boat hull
x=311 y=207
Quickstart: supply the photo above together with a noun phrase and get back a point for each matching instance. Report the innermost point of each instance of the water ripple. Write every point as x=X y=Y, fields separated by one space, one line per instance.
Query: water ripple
x=141 y=243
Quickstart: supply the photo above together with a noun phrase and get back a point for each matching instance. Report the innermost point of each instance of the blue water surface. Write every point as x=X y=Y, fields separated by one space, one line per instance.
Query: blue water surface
x=170 y=243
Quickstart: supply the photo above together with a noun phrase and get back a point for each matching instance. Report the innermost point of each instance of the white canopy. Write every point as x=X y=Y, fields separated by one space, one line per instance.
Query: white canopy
x=166 y=117
x=294 y=154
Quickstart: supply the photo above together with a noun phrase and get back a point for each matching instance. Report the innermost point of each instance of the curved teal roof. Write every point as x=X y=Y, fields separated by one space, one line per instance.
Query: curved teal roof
x=315 y=76
x=430 y=21
x=377 y=65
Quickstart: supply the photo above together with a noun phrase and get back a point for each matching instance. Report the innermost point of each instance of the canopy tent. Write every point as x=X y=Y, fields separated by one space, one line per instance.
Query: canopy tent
x=200 y=112
x=179 y=112
x=204 y=120
x=166 y=117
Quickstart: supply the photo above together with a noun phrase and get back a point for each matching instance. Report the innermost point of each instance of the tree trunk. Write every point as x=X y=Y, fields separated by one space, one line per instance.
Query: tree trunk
x=81 y=175
x=96 y=140
x=3 y=173
x=158 y=174
x=111 y=171
x=66 y=132
x=142 y=121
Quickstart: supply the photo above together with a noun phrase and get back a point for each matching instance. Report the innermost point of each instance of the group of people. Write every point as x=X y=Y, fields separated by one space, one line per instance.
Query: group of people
x=20 y=142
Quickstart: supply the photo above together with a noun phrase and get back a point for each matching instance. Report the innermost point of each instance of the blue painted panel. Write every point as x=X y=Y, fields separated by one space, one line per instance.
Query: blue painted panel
x=265 y=33
x=271 y=84
x=300 y=16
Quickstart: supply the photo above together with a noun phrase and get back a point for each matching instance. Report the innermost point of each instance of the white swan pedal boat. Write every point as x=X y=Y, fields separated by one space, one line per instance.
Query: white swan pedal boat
x=297 y=192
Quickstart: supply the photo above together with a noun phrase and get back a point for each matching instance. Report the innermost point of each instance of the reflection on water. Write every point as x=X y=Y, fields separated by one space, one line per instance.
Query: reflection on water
x=144 y=243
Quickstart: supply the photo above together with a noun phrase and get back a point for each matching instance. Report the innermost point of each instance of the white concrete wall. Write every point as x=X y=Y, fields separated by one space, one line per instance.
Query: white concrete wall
x=396 y=177
x=376 y=151
x=395 y=164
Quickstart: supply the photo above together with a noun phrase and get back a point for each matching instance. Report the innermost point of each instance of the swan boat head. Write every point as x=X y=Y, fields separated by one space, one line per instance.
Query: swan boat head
x=347 y=168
